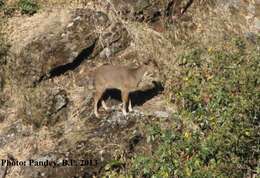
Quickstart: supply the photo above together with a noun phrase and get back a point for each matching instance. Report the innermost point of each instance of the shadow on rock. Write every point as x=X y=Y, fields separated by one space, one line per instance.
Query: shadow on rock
x=140 y=97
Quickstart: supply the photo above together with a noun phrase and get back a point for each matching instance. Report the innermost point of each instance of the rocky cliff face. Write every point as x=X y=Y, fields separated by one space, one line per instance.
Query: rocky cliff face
x=45 y=101
x=77 y=35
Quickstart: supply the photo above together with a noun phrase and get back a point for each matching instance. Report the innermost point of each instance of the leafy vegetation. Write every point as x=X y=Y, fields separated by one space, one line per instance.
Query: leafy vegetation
x=2 y=3
x=217 y=133
x=29 y=7
x=217 y=92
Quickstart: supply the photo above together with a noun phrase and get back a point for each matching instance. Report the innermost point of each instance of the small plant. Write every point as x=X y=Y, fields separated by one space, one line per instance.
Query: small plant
x=9 y=11
x=28 y=7
x=2 y=3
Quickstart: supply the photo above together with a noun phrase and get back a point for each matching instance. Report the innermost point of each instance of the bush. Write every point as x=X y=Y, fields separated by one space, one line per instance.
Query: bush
x=217 y=93
x=2 y=3
x=28 y=7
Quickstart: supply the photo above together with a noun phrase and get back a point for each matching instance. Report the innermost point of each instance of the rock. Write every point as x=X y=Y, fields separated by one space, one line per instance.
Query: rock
x=11 y=133
x=113 y=40
x=251 y=37
x=3 y=171
x=161 y=114
x=84 y=36
x=60 y=100
x=257 y=24
x=44 y=107
x=248 y=12
x=140 y=10
x=116 y=120
x=50 y=170
x=148 y=10
x=65 y=165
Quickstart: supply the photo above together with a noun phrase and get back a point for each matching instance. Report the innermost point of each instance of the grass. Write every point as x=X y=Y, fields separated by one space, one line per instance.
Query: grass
x=217 y=93
x=215 y=88
x=215 y=132
x=3 y=49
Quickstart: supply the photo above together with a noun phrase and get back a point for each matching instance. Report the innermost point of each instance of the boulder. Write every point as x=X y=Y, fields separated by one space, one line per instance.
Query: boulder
x=148 y=10
x=84 y=36
x=44 y=107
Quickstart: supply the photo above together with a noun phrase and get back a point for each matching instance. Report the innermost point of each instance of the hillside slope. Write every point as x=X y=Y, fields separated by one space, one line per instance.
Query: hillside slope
x=199 y=119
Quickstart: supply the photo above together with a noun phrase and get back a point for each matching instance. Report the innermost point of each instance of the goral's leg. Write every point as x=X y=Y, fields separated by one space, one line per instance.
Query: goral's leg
x=125 y=101
x=96 y=101
x=130 y=109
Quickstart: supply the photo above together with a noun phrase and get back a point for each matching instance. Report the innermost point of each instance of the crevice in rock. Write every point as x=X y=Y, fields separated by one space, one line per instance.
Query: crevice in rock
x=59 y=70
x=178 y=11
x=169 y=8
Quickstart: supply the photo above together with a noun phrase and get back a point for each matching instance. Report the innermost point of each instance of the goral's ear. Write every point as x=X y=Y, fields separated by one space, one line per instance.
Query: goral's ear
x=145 y=74
x=151 y=62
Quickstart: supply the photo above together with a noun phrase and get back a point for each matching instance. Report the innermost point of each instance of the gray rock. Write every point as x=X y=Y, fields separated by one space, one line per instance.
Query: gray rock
x=105 y=53
x=113 y=40
x=60 y=100
x=162 y=114
x=3 y=171
x=117 y=119
x=251 y=37
x=49 y=55
x=148 y=10
x=45 y=107
x=257 y=24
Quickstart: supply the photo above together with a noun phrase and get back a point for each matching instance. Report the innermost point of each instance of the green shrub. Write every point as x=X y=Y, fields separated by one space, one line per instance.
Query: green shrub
x=2 y=3
x=28 y=7
x=218 y=94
